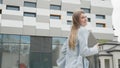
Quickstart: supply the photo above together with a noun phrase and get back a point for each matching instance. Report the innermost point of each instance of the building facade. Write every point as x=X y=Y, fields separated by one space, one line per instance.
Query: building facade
x=33 y=31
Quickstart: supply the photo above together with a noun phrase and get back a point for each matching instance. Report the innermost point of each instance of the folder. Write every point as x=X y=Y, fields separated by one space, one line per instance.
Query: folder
x=91 y=40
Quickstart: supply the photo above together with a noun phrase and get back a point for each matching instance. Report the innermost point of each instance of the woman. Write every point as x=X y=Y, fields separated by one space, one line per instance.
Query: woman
x=75 y=49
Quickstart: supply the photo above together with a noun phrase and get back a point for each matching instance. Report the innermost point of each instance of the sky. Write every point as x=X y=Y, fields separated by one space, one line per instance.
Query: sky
x=116 y=17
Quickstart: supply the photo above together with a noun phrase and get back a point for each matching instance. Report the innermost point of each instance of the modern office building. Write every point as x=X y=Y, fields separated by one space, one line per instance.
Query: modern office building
x=33 y=31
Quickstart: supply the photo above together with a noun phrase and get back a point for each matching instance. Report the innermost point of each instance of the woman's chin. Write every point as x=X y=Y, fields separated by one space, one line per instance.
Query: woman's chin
x=84 y=25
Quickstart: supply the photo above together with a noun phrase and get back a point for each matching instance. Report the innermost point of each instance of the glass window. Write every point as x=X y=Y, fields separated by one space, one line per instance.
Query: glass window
x=15 y=51
x=100 y=25
x=40 y=60
x=10 y=7
x=86 y=10
x=107 y=63
x=6 y=47
x=0 y=43
x=58 y=40
x=55 y=17
x=69 y=13
x=29 y=4
x=89 y=19
x=69 y=22
x=1 y=1
x=57 y=43
x=41 y=52
x=24 y=49
x=25 y=39
x=113 y=27
x=29 y=14
x=11 y=38
x=25 y=45
x=100 y=16
x=99 y=63
x=118 y=63
x=24 y=55
x=10 y=52
x=34 y=59
x=0 y=53
x=46 y=59
x=55 y=7
x=0 y=38
x=0 y=11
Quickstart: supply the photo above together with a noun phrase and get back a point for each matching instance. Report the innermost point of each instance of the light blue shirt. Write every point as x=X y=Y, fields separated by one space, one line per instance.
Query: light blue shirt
x=74 y=58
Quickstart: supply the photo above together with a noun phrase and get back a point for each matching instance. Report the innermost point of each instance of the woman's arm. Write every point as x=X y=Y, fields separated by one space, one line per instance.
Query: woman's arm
x=82 y=40
x=64 y=48
x=61 y=60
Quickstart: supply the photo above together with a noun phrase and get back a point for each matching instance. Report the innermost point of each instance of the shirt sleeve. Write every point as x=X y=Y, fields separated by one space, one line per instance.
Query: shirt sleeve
x=82 y=40
x=61 y=60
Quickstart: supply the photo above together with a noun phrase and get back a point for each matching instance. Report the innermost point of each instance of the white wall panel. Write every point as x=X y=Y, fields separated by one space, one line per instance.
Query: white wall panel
x=12 y=12
x=55 y=23
x=43 y=12
x=72 y=1
x=102 y=30
x=66 y=28
x=42 y=25
x=100 y=3
x=29 y=9
x=30 y=21
x=11 y=23
x=58 y=12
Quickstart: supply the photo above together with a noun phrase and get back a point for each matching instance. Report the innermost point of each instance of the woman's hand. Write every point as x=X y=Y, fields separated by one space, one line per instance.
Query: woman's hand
x=98 y=47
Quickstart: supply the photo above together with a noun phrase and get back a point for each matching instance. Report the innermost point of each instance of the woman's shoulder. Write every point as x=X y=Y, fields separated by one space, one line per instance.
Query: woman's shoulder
x=82 y=30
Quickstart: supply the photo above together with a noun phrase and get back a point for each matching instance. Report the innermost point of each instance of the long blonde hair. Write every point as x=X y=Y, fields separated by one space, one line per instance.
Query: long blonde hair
x=74 y=29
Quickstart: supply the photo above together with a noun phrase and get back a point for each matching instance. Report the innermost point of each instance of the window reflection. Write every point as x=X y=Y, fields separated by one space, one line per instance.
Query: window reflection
x=24 y=51
x=0 y=49
x=11 y=38
x=119 y=63
x=29 y=4
x=55 y=7
x=15 y=51
x=0 y=38
x=100 y=16
x=25 y=39
x=29 y=14
x=58 y=40
x=11 y=7
x=11 y=47
x=1 y=1
x=69 y=13
x=10 y=55
x=57 y=43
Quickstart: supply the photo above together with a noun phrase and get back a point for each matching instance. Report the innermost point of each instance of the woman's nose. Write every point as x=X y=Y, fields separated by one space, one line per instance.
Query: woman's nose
x=86 y=19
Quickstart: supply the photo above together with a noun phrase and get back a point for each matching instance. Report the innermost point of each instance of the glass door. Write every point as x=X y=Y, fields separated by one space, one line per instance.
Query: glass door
x=0 y=50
